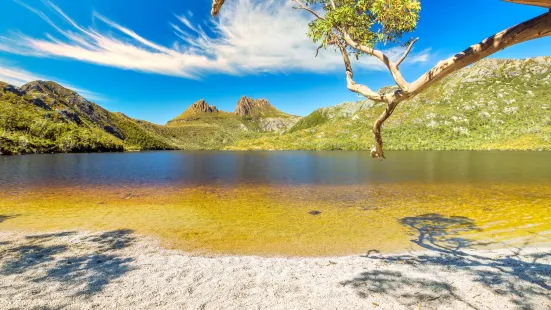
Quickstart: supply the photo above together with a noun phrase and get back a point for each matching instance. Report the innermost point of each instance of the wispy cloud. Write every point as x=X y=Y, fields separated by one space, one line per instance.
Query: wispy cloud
x=249 y=37
x=17 y=76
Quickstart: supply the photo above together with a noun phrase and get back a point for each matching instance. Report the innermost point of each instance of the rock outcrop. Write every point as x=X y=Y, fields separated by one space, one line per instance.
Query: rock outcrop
x=196 y=111
x=202 y=106
x=248 y=107
x=264 y=115
x=279 y=124
x=249 y=115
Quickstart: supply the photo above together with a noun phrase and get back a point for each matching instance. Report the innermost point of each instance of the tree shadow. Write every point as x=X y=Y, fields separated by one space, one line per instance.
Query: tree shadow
x=410 y=291
x=520 y=277
x=4 y=218
x=29 y=256
x=50 y=258
x=114 y=240
x=90 y=273
x=46 y=237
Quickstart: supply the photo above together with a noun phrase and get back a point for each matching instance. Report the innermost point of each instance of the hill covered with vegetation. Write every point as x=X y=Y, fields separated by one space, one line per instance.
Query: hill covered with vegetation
x=45 y=117
x=494 y=104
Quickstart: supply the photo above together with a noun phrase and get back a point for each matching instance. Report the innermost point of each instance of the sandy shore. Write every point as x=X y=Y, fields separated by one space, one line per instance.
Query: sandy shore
x=120 y=270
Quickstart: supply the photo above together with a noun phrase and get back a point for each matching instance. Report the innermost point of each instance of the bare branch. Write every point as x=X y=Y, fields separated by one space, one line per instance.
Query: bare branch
x=379 y=152
x=537 y=27
x=350 y=83
x=406 y=53
x=392 y=67
x=542 y=3
x=304 y=7
x=318 y=50
x=216 y=5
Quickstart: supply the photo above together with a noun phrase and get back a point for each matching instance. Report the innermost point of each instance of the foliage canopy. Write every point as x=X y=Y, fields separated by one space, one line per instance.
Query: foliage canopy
x=368 y=22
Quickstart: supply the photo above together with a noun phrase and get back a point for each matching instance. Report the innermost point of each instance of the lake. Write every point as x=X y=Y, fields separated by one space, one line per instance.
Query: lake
x=284 y=203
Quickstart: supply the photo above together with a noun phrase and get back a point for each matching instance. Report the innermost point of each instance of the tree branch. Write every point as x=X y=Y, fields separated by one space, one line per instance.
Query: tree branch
x=406 y=53
x=216 y=5
x=392 y=67
x=379 y=152
x=537 y=27
x=350 y=83
x=304 y=7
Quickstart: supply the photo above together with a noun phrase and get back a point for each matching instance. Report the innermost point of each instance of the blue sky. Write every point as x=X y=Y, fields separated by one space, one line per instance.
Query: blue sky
x=152 y=59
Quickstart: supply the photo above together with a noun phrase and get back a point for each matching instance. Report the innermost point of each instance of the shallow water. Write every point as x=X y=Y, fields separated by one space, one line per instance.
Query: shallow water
x=285 y=203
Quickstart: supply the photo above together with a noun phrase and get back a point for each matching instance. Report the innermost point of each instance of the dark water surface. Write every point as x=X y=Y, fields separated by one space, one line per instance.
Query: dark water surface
x=296 y=167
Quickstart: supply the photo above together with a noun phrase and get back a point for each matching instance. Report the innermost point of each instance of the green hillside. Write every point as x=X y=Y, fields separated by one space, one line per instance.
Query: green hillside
x=44 y=117
x=206 y=127
x=494 y=104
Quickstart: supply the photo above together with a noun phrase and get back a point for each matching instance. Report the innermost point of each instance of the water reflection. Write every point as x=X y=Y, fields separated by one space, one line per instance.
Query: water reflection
x=230 y=168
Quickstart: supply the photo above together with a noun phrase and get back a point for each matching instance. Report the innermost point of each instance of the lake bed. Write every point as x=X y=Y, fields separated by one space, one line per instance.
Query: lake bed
x=285 y=203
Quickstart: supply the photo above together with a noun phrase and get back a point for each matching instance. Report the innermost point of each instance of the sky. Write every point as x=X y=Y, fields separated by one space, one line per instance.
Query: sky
x=152 y=59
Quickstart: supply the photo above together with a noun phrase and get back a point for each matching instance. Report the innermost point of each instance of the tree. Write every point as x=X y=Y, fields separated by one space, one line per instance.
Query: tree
x=355 y=27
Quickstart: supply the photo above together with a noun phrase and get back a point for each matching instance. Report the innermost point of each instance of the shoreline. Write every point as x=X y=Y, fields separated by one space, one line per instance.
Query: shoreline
x=280 y=150
x=120 y=269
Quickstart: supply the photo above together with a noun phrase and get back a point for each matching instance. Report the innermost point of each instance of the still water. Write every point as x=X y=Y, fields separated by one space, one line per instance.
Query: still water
x=284 y=203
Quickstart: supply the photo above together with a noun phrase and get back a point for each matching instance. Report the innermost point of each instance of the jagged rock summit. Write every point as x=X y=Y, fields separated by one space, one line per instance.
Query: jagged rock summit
x=201 y=106
x=195 y=111
x=249 y=114
x=248 y=107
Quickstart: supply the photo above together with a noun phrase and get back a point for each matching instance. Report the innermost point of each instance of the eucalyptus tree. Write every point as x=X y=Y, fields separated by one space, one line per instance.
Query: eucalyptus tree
x=356 y=27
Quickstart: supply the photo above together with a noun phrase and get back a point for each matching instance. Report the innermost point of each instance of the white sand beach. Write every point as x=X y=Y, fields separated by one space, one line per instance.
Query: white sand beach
x=122 y=270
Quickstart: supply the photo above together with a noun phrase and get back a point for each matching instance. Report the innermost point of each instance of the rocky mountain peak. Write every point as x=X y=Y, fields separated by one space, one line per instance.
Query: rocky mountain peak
x=249 y=107
x=196 y=110
x=201 y=106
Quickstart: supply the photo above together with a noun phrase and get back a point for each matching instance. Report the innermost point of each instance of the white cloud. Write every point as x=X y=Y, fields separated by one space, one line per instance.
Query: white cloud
x=248 y=38
x=17 y=76
x=422 y=56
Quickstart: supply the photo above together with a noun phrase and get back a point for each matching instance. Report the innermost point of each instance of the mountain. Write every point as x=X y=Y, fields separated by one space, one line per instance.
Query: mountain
x=45 y=117
x=263 y=115
x=206 y=127
x=197 y=110
x=250 y=115
x=248 y=107
x=210 y=128
x=494 y=104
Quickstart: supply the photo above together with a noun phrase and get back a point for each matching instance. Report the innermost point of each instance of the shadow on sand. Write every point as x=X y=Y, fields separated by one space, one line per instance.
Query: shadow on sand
x=50 y=258
x=518 y=277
